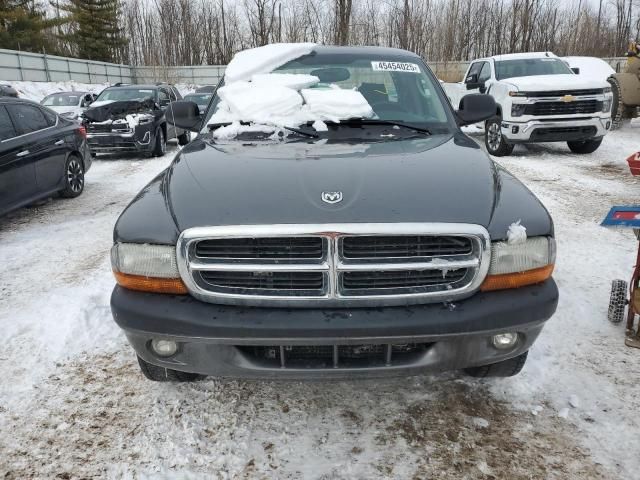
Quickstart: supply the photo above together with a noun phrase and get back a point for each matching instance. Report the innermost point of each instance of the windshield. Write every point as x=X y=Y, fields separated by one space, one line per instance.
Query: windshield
x=62 y=100
x=119 y=94
x=527 y=67
x=336 y=88
x=201 y=99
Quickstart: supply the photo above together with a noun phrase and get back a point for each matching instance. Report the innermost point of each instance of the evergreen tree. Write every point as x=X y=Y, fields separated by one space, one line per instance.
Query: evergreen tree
x=94 y=29
x=23 y=26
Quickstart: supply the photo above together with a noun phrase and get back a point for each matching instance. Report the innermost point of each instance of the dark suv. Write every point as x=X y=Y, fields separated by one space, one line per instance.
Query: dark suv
x=377 y=239
x=41 y=154
x=131 y=119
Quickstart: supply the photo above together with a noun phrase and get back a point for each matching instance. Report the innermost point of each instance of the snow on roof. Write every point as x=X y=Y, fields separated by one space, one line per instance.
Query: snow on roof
x=524 y=55
x=295 y=81
x=264 y=59
x=591 y=67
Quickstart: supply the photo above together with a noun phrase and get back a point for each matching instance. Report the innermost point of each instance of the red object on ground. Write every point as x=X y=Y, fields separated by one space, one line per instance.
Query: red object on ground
x=634 y=164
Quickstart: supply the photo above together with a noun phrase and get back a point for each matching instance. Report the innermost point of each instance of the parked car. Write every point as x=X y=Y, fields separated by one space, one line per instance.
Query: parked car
x=8 y=91
x=201 y=99
x=540 y=99
x=385 y=244
x=206 y=89
x=69 y=104
x=131 y=119
x=41 y=154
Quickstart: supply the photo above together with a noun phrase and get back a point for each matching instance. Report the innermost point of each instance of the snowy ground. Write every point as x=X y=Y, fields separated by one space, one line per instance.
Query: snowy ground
x=74 y=405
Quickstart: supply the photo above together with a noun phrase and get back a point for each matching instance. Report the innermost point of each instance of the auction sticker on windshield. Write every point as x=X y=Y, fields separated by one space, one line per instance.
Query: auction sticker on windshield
x=395 y=67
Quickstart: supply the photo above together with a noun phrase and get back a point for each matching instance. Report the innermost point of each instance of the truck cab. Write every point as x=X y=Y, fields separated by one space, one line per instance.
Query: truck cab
x=540 y=99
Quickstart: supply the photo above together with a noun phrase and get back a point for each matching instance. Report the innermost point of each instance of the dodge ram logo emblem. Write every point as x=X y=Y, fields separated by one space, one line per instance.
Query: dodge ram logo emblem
x=331 y=197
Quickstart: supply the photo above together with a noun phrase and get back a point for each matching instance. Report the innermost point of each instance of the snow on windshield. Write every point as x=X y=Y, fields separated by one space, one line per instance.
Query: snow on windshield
x=270 y=101
x=264 y=59
x=267 y=104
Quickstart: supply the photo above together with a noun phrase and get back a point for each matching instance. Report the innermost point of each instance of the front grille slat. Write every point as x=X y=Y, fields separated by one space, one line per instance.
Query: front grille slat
x=404 y=246
x=563 y=108
x=261 y=248
x=562 y=93
x=270 y=281
x=400 y=279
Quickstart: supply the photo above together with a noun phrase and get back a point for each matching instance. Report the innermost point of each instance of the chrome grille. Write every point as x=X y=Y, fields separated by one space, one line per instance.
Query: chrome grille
x=563 y=108
x=333 y=264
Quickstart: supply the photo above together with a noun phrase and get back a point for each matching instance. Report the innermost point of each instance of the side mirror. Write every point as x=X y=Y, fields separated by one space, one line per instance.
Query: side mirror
x=475 y=108
x=184 y=114
x=575 y=70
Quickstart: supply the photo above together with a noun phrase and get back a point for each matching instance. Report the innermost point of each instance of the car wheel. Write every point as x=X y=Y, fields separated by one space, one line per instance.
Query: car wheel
x=73 y=177
x=586 y=146
x=493 y=139
x=617 y=301
x=184 y=138
x=161 y=374
x=619 y=111
x=160 y=145
x=505 y=368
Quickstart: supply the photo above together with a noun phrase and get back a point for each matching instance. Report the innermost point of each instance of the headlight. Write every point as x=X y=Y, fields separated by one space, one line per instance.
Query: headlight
x=517 y=109
x=142 y=119
x=606 y=104
x=514 y=266
x=606 y=90
x=149 y=268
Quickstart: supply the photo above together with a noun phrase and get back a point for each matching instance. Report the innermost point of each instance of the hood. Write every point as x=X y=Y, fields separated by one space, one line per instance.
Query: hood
x=442 y=178
x=100 y=111
x=546 y=83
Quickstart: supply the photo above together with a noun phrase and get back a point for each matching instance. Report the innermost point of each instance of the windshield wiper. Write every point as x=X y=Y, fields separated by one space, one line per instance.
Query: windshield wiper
x=291 y=129
x=377 y=121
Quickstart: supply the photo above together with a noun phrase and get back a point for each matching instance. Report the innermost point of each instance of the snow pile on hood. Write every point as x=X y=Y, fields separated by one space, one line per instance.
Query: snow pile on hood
x=591 y=67
x=271 y=105
x=264 y=59
x=516 y=234
x=335 y=104
x=296 y=81
x=260 y=104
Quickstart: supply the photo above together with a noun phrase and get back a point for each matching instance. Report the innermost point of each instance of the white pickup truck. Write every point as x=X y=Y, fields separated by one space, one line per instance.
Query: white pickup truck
x=540 y=99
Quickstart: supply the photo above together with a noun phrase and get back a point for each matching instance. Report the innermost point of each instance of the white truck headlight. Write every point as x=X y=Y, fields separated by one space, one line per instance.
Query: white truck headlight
x=606 y=104
x=517 y=109
x=145 y=267
x=517 y=265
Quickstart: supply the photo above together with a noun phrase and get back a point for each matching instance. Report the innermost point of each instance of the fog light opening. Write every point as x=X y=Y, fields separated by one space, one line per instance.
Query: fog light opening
x=164 y=348
x=504 y=341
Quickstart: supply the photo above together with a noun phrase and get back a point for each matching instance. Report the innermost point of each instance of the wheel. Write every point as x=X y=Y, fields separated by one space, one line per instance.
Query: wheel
x=617 y=301
x=505 y=368
x=160 y=145
x=619 y=111
x=493 y=139
x=161 y=374
x=585 y=146
x=184 y=138
x=73 y=177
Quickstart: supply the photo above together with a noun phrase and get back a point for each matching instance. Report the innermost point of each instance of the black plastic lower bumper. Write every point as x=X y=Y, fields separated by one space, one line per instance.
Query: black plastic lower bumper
x=210 y=336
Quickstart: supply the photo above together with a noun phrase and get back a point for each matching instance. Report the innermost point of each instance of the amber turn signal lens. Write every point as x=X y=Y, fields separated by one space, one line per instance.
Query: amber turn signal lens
x=149 y=284
x=516 y=280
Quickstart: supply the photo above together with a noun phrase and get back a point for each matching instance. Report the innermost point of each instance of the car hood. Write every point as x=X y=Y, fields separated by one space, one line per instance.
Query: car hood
x=545 y=83
x=59 y=110
x=442 y=178
x=100 y=111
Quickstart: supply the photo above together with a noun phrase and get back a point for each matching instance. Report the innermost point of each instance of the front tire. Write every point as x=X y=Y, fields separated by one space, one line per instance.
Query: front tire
x=73 y=177
x=505 y=368
x=585 y=146
x=161 y=374
x=619 y=111
x=160 y=145
x=494 y=141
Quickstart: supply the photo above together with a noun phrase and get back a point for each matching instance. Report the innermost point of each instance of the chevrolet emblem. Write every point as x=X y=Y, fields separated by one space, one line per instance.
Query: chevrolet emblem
x=568 y=98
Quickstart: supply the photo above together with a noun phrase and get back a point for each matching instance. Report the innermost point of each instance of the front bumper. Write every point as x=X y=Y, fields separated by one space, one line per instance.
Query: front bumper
x=213 y=338
x=116 y=143
x=550 y=130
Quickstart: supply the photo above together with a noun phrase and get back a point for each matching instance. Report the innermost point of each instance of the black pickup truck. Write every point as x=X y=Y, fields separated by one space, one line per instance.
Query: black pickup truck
x=374 y=246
